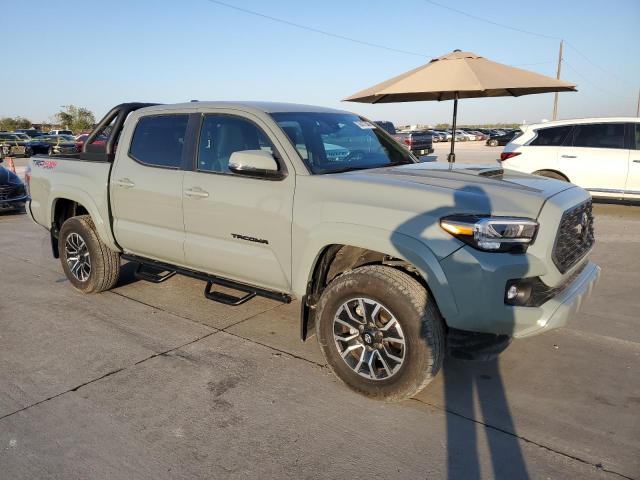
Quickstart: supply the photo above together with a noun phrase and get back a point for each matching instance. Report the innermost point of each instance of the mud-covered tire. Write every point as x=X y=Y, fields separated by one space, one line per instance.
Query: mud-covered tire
x=104 y=262
x=413 y=308
x=551 y=174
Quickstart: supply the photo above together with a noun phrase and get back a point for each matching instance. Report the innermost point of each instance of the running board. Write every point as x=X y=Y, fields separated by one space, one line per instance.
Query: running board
x=157 y=272
x=152 y=274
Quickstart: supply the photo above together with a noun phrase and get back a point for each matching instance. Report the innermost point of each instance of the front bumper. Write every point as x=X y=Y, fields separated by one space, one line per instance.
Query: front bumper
x=478 y=281
x=13 y=202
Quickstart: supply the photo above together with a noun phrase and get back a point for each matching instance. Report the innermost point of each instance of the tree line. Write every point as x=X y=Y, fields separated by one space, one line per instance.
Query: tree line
x=70 y=117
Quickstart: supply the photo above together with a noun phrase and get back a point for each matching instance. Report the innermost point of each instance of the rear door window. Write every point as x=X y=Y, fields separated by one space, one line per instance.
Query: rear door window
x=599 y=135
x=158 y=140
x=637 y=136
x=551 y=137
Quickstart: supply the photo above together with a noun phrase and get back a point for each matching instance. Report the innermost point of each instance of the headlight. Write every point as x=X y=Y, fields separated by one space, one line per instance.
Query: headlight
x=493 y=234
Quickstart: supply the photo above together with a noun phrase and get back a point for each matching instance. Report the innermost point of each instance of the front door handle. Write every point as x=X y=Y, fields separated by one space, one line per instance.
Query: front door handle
x=125 y=183
x=569 y=156
x=196 y=193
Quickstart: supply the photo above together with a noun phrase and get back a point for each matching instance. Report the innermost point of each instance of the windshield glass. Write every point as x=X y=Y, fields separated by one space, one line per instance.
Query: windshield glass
x=338 y=142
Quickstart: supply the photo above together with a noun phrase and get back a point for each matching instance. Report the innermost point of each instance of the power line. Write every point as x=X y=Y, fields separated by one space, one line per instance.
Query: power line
x=528 y=32
x=486 y=20
x=317 y=30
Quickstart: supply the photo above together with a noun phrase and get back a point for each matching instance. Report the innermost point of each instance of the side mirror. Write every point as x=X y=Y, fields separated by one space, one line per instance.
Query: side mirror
x=255 y=163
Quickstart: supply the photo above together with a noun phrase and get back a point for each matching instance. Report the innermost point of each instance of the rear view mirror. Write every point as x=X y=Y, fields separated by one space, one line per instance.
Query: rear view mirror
x=255 y=163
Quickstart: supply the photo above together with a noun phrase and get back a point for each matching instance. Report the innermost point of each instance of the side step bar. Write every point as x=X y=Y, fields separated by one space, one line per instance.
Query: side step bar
x=157 y=272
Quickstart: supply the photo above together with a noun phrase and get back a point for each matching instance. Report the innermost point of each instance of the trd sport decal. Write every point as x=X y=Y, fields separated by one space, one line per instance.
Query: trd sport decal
x=48 y=164
x=249 y=239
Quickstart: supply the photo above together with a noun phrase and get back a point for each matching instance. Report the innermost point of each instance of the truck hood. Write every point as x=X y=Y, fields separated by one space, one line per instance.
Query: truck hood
x=479 y=188
x=411 y=199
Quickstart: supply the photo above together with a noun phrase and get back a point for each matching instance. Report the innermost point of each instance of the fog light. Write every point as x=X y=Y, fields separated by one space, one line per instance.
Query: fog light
x=518 y=292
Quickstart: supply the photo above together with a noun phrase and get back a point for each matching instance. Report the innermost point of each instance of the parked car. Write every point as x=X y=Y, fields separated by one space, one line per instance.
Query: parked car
x=80 y=139
x=419 y=142
x=387 y=126
x=52 y=145
x=11 y=145
x=60 y=132
x=12 y=191
x=503 y=139
x=601 y=155
x=30 y=132
x=392 y=260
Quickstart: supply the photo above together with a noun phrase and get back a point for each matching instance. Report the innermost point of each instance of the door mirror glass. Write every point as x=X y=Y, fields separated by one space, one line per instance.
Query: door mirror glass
x=256 y=163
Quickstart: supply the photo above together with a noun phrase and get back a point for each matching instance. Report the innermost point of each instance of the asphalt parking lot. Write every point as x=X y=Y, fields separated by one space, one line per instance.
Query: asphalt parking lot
x=155 y=381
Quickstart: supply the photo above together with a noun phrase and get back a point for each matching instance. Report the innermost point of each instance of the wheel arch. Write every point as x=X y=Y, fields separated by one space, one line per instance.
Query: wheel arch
x=394 y=250
x=71 y=204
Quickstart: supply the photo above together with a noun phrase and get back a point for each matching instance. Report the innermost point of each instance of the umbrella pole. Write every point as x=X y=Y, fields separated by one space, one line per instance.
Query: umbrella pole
x=452 y=156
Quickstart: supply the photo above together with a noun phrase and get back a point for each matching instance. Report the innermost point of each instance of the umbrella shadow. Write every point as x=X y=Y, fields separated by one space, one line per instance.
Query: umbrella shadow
x=473 y=385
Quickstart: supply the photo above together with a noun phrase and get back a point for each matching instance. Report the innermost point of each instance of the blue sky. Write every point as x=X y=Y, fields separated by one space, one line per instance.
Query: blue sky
x=98 y=54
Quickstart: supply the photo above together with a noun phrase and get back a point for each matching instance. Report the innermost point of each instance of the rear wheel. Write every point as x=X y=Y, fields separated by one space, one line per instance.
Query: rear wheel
x=88 y=263
x=380 y=332
x=550 y=174
x=50 y=152
x=493 y=143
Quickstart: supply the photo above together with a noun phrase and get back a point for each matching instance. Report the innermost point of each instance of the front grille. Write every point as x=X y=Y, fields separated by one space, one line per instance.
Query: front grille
x=7 y=192
x=575 y=236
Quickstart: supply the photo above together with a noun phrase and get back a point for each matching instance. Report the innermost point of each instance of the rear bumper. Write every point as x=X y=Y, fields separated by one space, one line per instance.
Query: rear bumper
x=422 y=151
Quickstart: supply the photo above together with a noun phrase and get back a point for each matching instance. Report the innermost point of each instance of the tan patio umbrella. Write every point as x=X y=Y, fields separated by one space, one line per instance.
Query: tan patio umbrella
x=459 y=75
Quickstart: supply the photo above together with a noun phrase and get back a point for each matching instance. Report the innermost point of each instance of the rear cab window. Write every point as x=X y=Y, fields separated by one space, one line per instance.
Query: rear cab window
x=158 y=140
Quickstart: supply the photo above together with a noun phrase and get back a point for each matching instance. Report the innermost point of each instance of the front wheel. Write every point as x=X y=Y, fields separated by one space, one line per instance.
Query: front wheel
x=493 y=143
x=380 y=332
x=88 y=263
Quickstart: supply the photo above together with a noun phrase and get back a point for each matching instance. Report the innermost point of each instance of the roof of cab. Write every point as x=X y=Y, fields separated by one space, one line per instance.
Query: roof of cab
x=265 y=107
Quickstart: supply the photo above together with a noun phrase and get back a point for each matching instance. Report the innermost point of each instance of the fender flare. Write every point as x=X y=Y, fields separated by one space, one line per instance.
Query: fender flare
x=394 y=244
x=103 y=228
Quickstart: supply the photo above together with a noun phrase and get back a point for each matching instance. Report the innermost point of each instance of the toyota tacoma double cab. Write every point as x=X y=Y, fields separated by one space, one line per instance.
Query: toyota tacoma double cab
x=395 y=263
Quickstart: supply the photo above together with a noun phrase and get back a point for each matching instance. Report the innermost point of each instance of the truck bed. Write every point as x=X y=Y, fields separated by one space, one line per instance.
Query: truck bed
x=85 y=182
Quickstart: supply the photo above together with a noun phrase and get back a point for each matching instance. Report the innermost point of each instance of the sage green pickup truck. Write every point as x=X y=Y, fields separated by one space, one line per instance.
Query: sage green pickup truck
x=395 y=263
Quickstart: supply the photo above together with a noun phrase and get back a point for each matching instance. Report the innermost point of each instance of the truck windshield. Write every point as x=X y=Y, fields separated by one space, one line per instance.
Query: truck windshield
x=339 y=142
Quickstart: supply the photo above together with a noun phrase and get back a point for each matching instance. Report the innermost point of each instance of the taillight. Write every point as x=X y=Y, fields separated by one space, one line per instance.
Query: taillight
x=506 y=155
x=408 y=141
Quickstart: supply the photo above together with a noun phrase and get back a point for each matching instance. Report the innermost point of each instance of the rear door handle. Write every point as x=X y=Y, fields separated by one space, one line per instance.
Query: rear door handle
x=569 y=156
x=636 y=161
x=125 y=183
x=196 y=193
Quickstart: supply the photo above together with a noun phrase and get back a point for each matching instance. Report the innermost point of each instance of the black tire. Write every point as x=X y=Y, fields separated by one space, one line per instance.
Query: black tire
x=28 y=152
x=550 y=174
x=104 y=262
x=50 y=152
x=416 y=313
x=493 y=143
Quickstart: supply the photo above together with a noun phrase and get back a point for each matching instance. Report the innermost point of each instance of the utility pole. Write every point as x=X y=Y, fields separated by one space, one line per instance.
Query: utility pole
x=555 y=97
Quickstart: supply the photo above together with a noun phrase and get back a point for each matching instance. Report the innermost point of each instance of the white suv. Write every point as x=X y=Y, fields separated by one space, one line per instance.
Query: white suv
x=601 y=155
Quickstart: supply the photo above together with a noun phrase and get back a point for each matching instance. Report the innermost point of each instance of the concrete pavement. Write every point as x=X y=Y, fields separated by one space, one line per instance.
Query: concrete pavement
x=155 y=381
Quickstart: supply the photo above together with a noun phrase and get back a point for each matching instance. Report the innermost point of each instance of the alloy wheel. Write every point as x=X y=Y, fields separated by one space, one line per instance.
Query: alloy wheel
x=369 y=338
x=77 y=257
